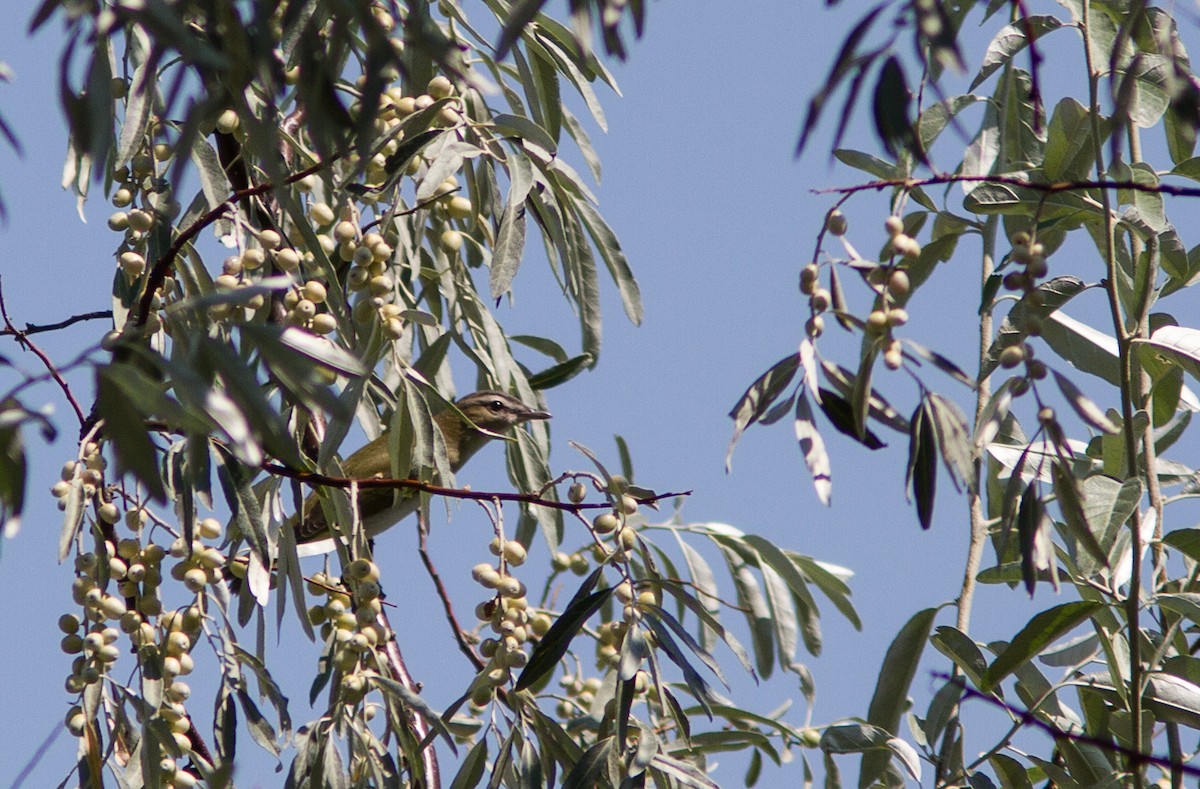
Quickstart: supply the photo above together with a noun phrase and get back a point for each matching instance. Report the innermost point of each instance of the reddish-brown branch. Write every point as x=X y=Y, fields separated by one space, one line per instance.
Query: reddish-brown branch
x=430 y=771
x=443 y=595
x=30 y=346
x=313 y=478
x=1008 y=180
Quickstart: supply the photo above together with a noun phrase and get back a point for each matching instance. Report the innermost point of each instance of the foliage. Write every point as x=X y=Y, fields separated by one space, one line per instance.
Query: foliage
x=1072 y=498
x=316 y=206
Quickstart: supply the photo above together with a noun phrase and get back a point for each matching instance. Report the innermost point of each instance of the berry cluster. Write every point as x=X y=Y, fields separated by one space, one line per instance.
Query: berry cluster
x=513 y=622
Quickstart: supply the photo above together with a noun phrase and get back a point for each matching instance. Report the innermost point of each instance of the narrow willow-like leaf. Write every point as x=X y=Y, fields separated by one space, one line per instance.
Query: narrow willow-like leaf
x=841 y=415
x=962 y=649
x=471 y=771
x=759 y=397
x=1070 y=502
x=510 y=246
x=1088 y=411
x=897 y=671
x=813 y=448
x=557 y=640
x=1030 y=517
x=1041 y=631
x=846 y=63
x=891 y=108
x=921 y=476
x=1009 y=41
x=135 y=453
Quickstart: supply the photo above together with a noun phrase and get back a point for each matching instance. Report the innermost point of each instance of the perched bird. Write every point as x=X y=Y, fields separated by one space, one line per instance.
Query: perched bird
x=489 y=413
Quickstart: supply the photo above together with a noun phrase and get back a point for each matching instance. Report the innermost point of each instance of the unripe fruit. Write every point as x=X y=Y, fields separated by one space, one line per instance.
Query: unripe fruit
x=510 y=587
x=579 y=564
x=140 y=220
x=305 y=309
x=605 y=523
x=877 y=322
x=451 y=240
x=576 y=493
x=629 y=504
x=228 y=122
x=210 y=528
x=514 y=553
x=540 y=624
x=836 y=223
x=71 y=644
x=76 y=722
x=112 y=606
x=321 y=214
x=315 y=292
x=195 y=579
x=898 y=284
x=362 y=570
x=1012 y=356
x=808 y=278
x=439 y=87
x=627 y=538
x=820 y=300
x=897 y=316
x=270 y=239
x=623 y=592
x=893 y=357
x=560 y=561
x=132 y=263
x=459 y=207
x=894 y=226
x=118 y=221
x=485 y=575
x=287 y=259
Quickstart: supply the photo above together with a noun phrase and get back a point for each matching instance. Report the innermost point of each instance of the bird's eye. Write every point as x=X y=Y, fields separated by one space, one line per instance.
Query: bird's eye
x=495 y=406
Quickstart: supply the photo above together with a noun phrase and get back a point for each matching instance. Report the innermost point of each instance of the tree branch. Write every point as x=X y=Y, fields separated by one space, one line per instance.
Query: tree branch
x=1028 y=718
x=30 y=346
x=313 y=478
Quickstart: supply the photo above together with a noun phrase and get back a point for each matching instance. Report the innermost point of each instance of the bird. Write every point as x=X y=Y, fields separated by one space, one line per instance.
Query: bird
x=491 y=414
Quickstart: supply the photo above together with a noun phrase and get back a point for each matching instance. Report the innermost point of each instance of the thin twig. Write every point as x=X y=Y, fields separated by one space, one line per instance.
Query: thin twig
x=443 y=595
x=312 y=478
x=1027 y=718
x=30 y=346
x=33 y=328
x=1012 y=180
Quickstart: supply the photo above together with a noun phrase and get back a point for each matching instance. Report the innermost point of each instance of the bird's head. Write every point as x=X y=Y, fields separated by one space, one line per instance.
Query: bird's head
x=492 y=412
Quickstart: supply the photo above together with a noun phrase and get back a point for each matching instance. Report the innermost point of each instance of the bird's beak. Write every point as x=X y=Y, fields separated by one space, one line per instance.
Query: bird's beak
x=532 y=414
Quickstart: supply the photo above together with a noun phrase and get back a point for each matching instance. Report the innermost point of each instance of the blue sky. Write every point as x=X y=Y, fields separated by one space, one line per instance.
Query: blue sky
x=717 y=217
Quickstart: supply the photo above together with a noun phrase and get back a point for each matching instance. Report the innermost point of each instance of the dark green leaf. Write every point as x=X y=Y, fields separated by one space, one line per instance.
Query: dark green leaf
x=921 y=476
x=893 y=123
x=558 y=639
x=758 y=399
x=1041 y=631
